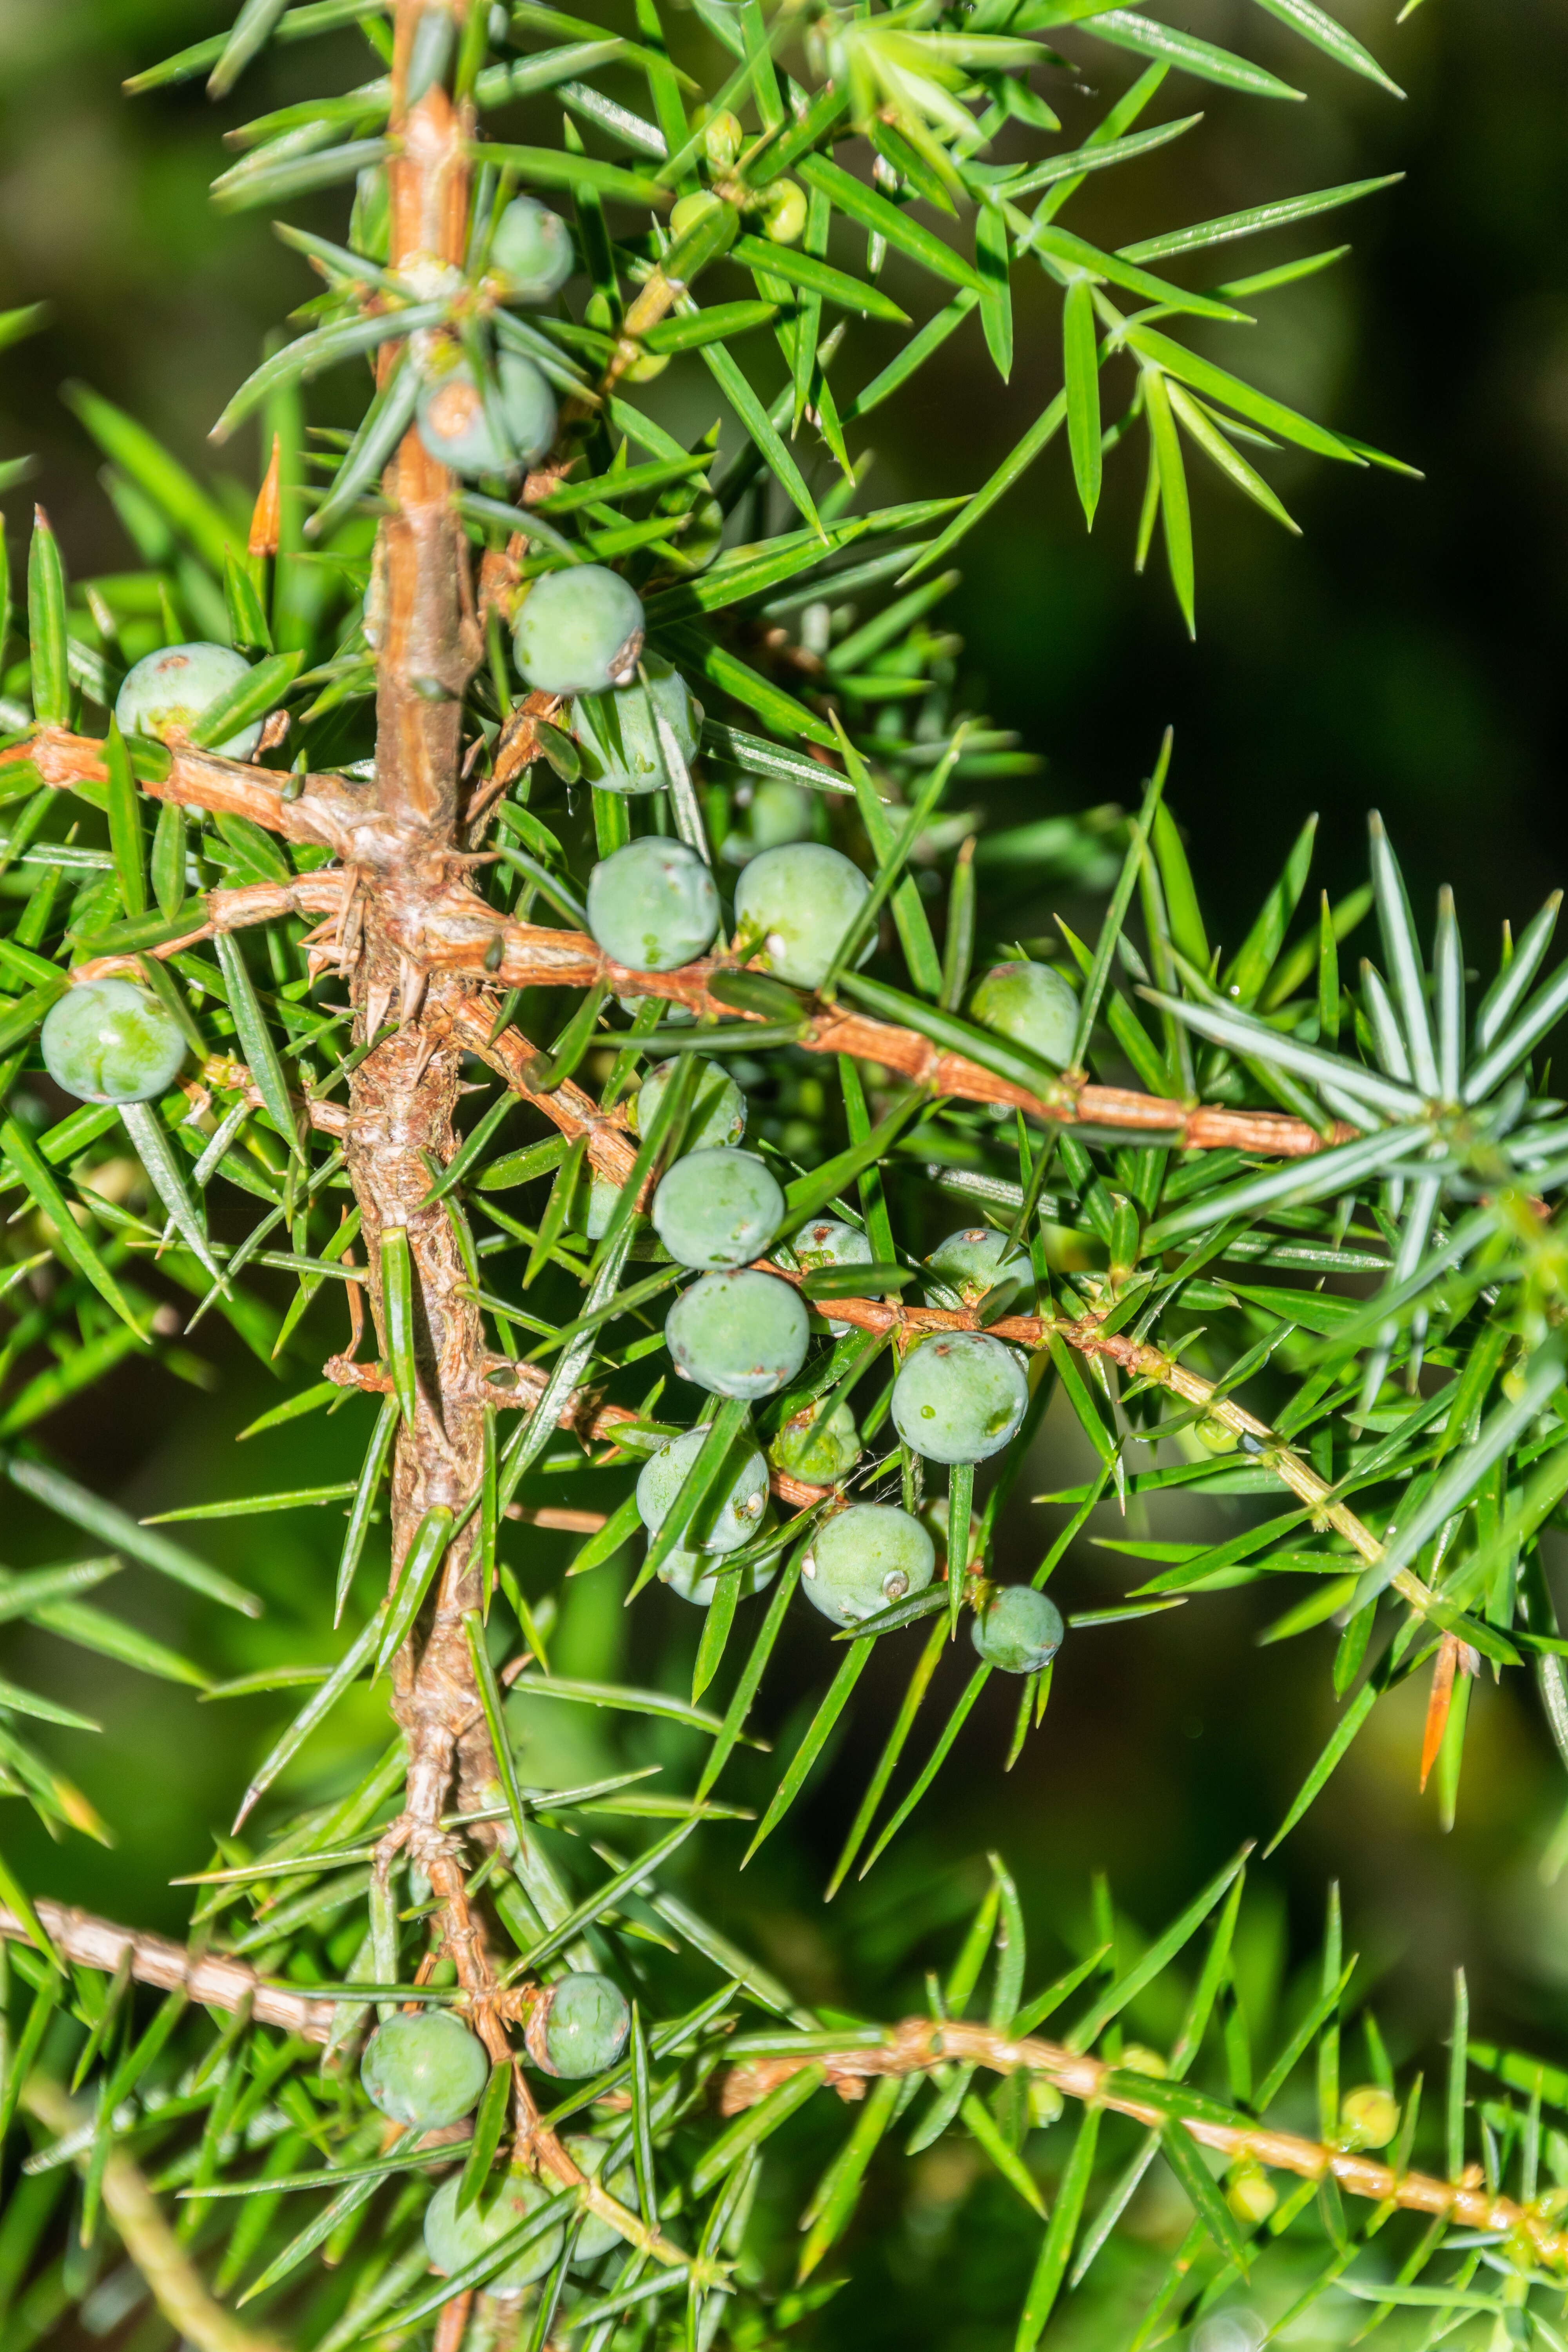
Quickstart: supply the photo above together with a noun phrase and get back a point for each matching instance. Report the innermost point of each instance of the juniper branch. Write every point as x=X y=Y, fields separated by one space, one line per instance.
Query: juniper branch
x=447 y=928
x=915 y=2045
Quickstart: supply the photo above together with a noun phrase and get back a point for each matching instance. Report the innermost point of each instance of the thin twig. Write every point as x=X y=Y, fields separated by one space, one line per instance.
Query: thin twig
x=449 y=927
x=914 y=2046
x=919 y=2043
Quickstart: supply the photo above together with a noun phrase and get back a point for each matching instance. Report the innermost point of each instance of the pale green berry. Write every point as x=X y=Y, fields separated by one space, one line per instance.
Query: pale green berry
x=799 y=901
x=578 y=2025
x=781 y=812
x=107 y=1041
x=863 y=1560
x=718 y=1208
x=970 y=1263
x=722 y=139
x=168 y=693
x=532 y=249
x=1033 y=1005
x=1369 y=2116
x=512 y=431
x=738 y=1335
x=1137 y=2058
x=959 y=1398
x=827 y=1241
x=729 y=1514
x=1017 y=1630
x=652 y=906
x=820 y=1452
x=783 y=211
x=595 y=2237
x=1250 y=2194
x=718 y=1113
x=697 y=1576
x=1045 y=2102
x=452 y=2240
x=426 y=2070
x=579 y=631
x=618 y=735
x=691 y=210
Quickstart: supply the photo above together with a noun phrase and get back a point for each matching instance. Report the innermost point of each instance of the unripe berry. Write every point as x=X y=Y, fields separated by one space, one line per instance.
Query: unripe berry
x=107 y=1041
x=460 y=430
x=691 y=210
x=821 y=1451
x=777 y=813
x=1250 y=2194
x=738 y=1335
x=1137 y=2058
x=863 y=1560
x=618 y=736
x=1369 y=2116
x=532 y=249
x=426 y=2070
x=729 y=1514
x=1216 y=1436
x=1045 y=2102
x=959 y=1398
x=652 y=906
x=718 y=1208
x=826 y=1242
x=783 y=211
x=579 y=631
x=1032 y=1005
x=578 y=2025
x=168 y=693
x=718 y=1113
x=970 y=1263
x=595 y=2237
x=799 y=901
x=722 y=139
x=454 y=2239
x=696 y=1576
x=1019 y=1630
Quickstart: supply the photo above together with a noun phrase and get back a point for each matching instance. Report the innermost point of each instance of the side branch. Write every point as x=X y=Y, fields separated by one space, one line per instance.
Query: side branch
x=920 y=2044
x=449 y=928
x=916 y=2045
x=212 y=1980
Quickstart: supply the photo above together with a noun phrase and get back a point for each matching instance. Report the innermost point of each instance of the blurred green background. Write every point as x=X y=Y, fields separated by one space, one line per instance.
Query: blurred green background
x=1404 y=653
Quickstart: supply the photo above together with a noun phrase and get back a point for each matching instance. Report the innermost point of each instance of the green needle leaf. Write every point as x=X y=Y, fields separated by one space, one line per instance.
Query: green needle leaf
x=490 y=2122
x=397 y=1317
x=422 y=1561
x=47 y=649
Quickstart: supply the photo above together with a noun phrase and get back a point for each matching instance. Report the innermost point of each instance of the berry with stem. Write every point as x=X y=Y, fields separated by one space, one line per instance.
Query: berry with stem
x=425 y=2069
x=730 y=1513
x=959 y=1398
x=718 y=1208
x=738 y=1335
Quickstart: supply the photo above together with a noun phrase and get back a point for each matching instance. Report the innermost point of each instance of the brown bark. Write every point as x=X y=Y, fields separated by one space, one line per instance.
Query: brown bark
x=403 y=1095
